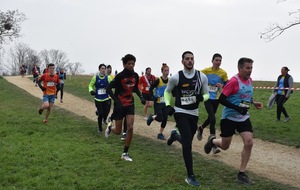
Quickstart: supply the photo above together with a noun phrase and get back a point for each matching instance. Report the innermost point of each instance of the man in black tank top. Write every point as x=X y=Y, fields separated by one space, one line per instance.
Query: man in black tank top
x=189 y=87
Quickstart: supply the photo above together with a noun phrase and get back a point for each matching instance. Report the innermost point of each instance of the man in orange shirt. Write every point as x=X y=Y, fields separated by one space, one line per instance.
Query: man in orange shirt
x=50 y=83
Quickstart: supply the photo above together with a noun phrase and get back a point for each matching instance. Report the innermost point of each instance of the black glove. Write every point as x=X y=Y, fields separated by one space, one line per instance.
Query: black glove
x=170 y=110
x=43 y=88
x=143 y=101
x=199 y=97
x=241 y=110
x=93 y=93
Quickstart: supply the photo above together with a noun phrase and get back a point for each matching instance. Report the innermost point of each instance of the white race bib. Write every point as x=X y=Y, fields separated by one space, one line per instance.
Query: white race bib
x=188 y=100
x=102 y=91
x=50 y=83
x=212 y=88
x=161 y=99
x=147 y=88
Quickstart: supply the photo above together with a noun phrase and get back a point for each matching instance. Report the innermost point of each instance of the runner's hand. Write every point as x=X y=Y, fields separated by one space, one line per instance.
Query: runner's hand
x=93 y=93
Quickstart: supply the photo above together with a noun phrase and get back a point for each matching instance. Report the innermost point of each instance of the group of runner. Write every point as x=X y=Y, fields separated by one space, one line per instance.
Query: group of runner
x=189 y=87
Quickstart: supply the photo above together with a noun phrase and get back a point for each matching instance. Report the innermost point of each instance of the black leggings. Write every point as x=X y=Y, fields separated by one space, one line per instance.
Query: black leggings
x=211 y=107
x=187 y=126
x=280 y=100
x=161 y=114
x=103 y=109
x=61 y=89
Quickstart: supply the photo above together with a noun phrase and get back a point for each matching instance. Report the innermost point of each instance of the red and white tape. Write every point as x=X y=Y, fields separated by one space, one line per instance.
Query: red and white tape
x=272 y=87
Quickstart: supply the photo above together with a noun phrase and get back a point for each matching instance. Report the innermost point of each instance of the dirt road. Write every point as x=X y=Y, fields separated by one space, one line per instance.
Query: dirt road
x=274 y=161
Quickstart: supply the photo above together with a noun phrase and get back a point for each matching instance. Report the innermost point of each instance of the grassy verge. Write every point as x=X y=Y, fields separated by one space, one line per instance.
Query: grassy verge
x=68 y=154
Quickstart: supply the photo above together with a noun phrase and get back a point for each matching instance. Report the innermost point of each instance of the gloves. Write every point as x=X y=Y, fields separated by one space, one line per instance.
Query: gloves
x=43 y=88
x=143 y=101
x=241 y=110
x=93 y=93
x=170 y=110
x=199 y=97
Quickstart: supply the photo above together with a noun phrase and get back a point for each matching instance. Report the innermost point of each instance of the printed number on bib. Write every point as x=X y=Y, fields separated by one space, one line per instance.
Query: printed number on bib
x=188 y=100
x=102 y=91
x=212 y=88
x=50 y=83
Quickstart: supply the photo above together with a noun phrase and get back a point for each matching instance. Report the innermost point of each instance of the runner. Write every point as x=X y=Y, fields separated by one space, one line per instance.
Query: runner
x=62 y=77
x=50 y=81
x=160 y=113
x=97 y=88
x=145 y=82
x=189 y=87
x=124 y=83
x=236 y=96
x=217 y=78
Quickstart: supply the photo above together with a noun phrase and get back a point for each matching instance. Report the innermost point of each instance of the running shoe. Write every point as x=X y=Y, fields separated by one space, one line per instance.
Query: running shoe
x=286 y=119
x=160 y=136
x=171 y=138
x=208 y=145
x=191 y=180
x=200 y=132
x=126 y=157
x=61 y=101
x=244 y=179
x=45 y=121
x=99 y=129
x=123 y=137
x=150 y=119
x=215 y=150
x=145 y=118
x=41 y=111
x=107 y=131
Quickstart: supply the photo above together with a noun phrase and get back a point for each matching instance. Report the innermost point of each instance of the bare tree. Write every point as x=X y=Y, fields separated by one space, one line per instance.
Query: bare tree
x=275 y=29
x=10 y=25
x=17 y=56
x=57 y=57
x=75 y=68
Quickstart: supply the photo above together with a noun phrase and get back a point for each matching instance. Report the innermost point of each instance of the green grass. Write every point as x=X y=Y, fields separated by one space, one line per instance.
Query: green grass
x=68 y=154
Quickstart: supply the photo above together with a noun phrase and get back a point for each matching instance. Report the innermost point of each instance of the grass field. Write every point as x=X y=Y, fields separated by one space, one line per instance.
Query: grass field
x=69 y=154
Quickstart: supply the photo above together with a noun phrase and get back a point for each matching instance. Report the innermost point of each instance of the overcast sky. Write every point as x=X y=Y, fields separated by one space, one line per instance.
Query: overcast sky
x=157 y=31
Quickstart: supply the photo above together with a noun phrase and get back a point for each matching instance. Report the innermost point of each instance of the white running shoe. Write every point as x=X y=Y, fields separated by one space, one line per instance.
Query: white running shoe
x=107 y=131
x=123 y=137
x=126 y=157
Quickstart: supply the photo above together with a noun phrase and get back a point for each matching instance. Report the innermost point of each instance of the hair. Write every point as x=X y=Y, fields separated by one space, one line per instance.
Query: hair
x=186 y=52
x=164 y=65
x=50 y=64
x=147 y=69
x=286 y=68
x=101 y=65
x=216 y=55
x=127 y=58
x=244 y=60
x=108 y=66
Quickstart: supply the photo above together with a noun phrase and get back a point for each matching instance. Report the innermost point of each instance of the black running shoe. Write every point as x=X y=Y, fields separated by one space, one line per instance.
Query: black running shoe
x=244 y=179
x=150 y=119
x=171 y=138
x=208 y=145
x=191 y=180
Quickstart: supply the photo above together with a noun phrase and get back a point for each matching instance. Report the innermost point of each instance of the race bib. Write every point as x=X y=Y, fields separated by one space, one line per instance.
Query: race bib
x=50 y=83
x=244 y=104
x=147 y=88
x=161 y=99
x=102 y=91
x=212 y=88
x=188 y=100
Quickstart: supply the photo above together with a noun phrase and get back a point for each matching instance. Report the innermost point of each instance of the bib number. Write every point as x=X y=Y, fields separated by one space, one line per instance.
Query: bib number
x=102 y=91
x=188 y=100
x=51 y=83
x=212 y=88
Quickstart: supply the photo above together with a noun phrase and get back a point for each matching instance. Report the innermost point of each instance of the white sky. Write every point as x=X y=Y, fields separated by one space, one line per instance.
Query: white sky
x=157 y=31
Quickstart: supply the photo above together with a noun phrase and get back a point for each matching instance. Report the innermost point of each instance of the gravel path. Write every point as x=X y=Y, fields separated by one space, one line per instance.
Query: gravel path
x=274 y=161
